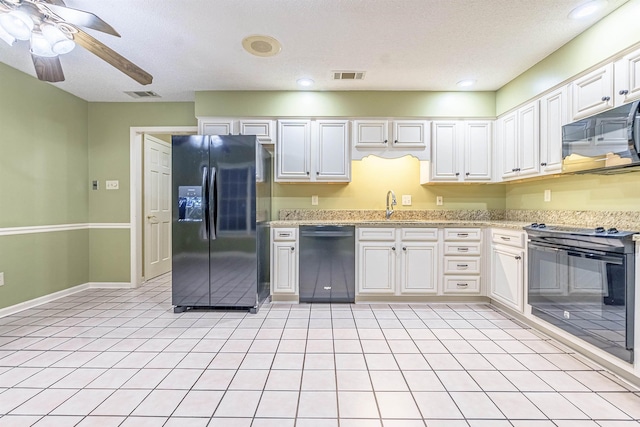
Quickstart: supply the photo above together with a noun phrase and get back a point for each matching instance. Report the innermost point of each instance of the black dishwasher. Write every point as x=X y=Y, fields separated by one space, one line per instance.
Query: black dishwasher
x=327 y=263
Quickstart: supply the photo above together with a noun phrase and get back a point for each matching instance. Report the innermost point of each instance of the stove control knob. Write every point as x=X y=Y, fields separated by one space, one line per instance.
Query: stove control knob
x=599 y=230
x=612 y=230
x=542 y=225
x=534 y=225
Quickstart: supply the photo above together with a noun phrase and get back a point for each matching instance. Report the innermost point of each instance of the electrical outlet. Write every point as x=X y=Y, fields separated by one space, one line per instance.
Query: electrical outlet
x=314 y=200
x=547 y=195
x=439 y=201
x=112 y=185
x=1 y=279
x=406 y=200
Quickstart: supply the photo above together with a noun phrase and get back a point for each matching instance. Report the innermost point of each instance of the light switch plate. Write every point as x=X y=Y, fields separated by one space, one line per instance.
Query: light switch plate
x=547 y=195
x=406 y=200
x=1 y=279
x=112 y=185
x=95 y=185
x=314 y=200
x=439 y=201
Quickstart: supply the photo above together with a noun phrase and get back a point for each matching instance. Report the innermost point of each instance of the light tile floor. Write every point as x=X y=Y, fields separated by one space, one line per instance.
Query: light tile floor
x=105 y=358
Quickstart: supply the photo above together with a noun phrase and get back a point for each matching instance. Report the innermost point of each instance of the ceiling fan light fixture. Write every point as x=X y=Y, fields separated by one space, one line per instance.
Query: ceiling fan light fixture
x=17 y=23
x=40 y=46
x=60 y=43
x=7 y=37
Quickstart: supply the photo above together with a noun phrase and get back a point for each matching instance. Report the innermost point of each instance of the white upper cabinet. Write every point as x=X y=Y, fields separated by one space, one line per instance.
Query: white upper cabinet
x=627 y=78
x=461 y=151
x=315 y=151
x=390 y=138
x=592 y=93
x=519 y=142
x=293 y=150
x=553 y=115
x=333 y=151
x=215 y=126
x=264 y=129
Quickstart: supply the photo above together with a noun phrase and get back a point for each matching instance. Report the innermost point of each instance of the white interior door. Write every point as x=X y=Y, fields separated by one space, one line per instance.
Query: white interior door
x=157 y=207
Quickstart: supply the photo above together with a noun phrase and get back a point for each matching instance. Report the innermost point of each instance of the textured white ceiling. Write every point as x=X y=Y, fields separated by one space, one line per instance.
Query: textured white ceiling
x=195 y=45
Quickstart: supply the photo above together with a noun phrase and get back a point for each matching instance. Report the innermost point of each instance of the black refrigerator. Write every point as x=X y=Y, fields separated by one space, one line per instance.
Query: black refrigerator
x=222 y=207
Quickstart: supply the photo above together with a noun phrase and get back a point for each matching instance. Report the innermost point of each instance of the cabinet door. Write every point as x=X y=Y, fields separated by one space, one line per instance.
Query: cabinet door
x=553 y=115
x=376 y=267
x=263 y=129
x=507 y=276
x=284 y=271
x=592 y=93
x=528 y=140
x=418 y=268
x=410 y=133
x=444 y=151
x=627 y=79
x=370 y=133
x=215 y=126
x=293 y=150
x=508 y=136
x=333 y=151
x=477 y=151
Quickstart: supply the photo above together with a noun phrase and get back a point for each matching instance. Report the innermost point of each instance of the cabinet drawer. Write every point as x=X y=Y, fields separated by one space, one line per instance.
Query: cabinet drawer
x=284 y=234
x=508 y=237
x=461 y=285
x=454 y=234
x=419 y=234
x=461 y=248
x=383 y=234
x=461 y=265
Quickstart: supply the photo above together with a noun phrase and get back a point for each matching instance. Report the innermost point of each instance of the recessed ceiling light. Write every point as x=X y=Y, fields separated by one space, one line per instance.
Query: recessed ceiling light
x=304 y=82
x=261 y=45
x=587 y=9
x=466 y=83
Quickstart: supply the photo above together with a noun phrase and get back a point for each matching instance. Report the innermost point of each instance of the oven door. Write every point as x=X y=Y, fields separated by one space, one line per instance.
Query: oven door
x=587 y=293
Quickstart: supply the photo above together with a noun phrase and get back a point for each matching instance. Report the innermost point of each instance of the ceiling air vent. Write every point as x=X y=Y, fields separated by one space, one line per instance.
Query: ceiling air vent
x=143 y=94
x=348 y=75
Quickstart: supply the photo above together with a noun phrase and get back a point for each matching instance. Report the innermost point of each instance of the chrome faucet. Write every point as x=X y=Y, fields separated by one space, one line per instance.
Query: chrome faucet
x=392 y=204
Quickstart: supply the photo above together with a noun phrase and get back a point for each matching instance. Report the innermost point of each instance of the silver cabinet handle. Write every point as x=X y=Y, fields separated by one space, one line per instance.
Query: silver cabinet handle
x=543 y=164
x=462 y=266
x=505 y=238
x=462 y=285
x=463 y=234
x=395 y=141
x=624 y=92
x=606 y=98
x=404 y=248
x=463 y=249
x=284 y=234
x=457 y=173
x=293 y=248
x=518 y=257
x=386 y=140
x=393 y=248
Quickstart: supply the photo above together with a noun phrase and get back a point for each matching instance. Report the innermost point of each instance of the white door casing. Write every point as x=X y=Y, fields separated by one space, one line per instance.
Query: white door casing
x=157 y=207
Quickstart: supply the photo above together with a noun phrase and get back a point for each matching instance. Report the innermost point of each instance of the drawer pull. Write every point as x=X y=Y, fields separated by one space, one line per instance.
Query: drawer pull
x=463 y=249
x=463 y=234
x=518 y=257
x=462 y=285
x=505 y=238
x=284 y=234
x=463 y=265
x=292 y=249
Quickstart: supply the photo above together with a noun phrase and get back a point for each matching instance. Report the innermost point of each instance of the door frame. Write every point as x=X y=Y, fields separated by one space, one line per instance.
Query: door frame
x=136 y=134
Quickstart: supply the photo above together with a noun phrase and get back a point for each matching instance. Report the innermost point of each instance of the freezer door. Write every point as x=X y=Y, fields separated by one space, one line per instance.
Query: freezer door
x=233 y=243
x=190 y=264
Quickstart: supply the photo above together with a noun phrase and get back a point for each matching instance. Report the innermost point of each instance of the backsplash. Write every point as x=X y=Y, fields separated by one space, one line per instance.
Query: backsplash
x=621 y=220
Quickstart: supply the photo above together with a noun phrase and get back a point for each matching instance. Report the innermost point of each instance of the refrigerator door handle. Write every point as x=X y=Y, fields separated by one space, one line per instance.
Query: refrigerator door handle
x=204 y=230
x=213 y=205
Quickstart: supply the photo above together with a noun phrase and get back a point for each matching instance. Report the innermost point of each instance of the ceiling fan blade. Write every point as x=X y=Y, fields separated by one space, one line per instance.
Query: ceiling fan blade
x=112 y=57
x=81 y=18
x=48 y=69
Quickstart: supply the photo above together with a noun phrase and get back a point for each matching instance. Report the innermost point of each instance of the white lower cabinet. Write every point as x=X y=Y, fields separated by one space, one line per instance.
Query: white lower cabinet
x=462 y=261
x=507 y=268
x=397 y=261
x=284 y=261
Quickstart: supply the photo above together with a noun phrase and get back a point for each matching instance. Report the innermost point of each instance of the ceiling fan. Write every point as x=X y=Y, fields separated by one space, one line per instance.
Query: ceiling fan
x=53 y=29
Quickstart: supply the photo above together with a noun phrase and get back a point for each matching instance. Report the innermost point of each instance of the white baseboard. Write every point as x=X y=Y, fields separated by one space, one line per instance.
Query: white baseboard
x=25 y=305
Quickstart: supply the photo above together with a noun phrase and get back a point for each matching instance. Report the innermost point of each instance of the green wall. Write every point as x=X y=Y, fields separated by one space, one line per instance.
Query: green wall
x=43 y=181
x=109 y=153
x=616 y=32
x=348 y=104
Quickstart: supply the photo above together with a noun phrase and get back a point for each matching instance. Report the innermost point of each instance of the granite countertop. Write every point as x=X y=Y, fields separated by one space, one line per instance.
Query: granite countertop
x=515 y=225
